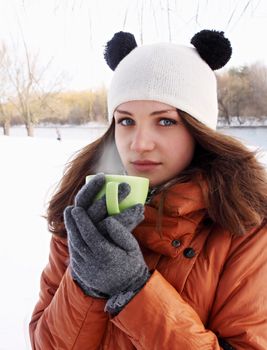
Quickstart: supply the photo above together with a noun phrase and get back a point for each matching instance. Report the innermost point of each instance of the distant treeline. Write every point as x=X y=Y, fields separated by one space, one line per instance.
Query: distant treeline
x=242 y=92
x=74 y=108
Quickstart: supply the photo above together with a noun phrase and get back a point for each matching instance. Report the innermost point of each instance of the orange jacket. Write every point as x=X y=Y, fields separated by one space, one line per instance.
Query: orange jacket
x=205 y=284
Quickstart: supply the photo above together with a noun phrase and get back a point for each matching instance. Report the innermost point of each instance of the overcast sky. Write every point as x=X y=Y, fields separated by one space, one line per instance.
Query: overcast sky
x=74 y=32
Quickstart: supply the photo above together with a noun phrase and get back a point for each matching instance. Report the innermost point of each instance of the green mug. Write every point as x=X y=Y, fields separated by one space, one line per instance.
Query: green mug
x=138 y=194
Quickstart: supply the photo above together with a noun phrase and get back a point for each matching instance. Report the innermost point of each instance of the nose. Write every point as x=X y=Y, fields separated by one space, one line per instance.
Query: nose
x=142 y=140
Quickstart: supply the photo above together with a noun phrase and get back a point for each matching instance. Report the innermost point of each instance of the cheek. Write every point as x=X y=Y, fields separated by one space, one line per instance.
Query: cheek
x=189 y=144
x=185 y=147
x=120 y=142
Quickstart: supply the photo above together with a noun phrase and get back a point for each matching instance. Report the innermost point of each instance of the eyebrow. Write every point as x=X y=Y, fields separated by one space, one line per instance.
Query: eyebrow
x=153 y=113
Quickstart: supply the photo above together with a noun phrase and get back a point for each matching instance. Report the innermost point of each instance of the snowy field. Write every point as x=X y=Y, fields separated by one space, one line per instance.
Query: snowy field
x=30 y=168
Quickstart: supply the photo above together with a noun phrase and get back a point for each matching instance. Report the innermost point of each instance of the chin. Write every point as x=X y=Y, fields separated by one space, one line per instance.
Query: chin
x=153 y=183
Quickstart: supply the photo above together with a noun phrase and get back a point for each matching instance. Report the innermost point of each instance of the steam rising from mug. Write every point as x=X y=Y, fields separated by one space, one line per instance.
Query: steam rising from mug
x=110 y=162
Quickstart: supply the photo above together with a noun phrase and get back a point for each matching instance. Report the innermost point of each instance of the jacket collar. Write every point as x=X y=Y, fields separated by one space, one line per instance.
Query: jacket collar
x=183 y=208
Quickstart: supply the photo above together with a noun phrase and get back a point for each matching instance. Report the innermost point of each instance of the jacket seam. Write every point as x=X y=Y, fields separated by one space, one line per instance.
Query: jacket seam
x=76 y=339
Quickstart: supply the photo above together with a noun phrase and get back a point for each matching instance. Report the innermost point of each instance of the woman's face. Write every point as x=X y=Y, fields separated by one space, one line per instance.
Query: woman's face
x=152 y=140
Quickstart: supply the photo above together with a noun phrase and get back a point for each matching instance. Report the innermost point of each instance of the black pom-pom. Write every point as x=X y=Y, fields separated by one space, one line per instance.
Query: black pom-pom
x=212 y=47
x=118 y=47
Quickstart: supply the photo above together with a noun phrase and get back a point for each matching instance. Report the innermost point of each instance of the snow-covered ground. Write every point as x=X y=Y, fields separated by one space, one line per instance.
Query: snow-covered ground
x=30 y=168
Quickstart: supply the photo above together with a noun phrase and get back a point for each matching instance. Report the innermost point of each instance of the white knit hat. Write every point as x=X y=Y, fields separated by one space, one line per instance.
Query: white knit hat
x=167 y=73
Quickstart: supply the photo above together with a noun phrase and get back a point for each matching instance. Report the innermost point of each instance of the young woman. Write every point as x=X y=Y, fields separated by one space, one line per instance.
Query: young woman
x=185 y=271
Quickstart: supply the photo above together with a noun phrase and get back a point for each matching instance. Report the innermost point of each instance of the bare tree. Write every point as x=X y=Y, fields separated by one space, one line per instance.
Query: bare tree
x=30 y=88
x=4 y=108
x=257 y=76
x=223 y=98
x=233 y=93
x=242 y=92
x=169 y=20
x=142 y=23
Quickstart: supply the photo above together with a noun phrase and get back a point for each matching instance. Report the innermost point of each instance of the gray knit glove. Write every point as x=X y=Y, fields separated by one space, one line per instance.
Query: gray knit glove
x=105 y=258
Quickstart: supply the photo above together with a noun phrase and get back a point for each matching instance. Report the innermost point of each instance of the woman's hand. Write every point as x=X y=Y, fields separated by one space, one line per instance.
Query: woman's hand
x=105 y=257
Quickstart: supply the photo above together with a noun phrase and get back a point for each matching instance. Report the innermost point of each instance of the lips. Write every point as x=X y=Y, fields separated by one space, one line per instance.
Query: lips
x=145 y=162
x=145 y=165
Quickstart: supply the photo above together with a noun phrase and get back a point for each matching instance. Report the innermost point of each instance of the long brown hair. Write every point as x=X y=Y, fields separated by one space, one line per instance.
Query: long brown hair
x=83 y=164
x=236 y=181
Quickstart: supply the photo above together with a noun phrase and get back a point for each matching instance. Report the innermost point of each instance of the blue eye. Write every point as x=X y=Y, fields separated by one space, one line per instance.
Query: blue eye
x=167 y=122
x=125 y=121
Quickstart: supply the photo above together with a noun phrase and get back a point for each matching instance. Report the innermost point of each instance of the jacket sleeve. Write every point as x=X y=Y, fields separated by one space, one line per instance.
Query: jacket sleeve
x=64 y=317
x=158 y=318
